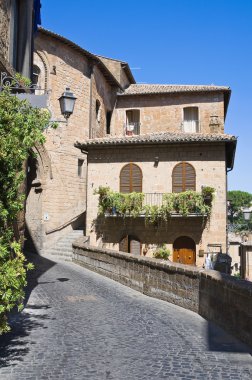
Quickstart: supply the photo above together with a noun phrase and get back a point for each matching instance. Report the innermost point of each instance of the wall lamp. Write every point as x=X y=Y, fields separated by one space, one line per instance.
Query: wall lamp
x=67 y=102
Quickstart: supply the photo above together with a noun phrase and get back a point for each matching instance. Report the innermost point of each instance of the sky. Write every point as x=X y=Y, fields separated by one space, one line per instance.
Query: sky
x=173 y=42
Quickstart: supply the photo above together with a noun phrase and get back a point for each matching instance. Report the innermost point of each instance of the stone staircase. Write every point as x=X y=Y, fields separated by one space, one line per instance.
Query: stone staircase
x=62 y=249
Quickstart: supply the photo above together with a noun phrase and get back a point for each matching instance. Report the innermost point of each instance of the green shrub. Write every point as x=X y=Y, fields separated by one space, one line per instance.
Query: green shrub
x=21 y=127
x=162 y=253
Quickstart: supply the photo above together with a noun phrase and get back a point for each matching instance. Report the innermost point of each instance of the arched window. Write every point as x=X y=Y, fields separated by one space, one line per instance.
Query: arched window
x=98 y=110
x=131 y=179
x=183 y=178
x=35 y=74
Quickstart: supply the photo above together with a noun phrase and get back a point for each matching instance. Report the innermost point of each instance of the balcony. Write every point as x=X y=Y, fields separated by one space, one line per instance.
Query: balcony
x=155 y=206
x=190 y=126
x=36 y=96
x=131 y=129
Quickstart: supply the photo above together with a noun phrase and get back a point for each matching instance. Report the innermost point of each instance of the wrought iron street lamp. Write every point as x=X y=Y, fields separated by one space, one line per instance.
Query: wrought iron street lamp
x=67 y=102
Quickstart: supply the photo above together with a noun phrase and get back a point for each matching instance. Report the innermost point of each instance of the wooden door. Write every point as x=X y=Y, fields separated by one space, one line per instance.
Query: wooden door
x=184 y=251
x=184 y=256
x=134 y=246
x=130 y=244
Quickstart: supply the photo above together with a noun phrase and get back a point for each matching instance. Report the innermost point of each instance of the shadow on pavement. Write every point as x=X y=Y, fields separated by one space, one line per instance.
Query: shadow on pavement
x=14 y=345
x=221 y=341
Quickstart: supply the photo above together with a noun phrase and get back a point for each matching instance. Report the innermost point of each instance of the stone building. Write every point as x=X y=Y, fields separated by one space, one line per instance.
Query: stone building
x=154 y=139
x=160 y=135
x=19 y=21
x=56 y=196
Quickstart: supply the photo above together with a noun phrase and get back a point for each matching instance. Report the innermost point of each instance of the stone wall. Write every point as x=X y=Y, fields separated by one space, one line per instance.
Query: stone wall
x=217 y=297
x=4 y=28
x=104 y=166
x=164 y=112
x=62 y=197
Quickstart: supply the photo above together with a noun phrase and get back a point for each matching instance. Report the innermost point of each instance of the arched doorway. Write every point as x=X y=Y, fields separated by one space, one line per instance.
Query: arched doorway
x=184 y=250
x=130 y=244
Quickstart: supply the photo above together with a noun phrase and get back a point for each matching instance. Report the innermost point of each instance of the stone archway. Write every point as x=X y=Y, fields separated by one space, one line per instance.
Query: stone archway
x=184 y=250
x=38 y=173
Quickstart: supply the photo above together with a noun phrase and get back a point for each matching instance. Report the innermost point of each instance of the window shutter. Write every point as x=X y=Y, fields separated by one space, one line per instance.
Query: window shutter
x=183 y=178
x=130 y=179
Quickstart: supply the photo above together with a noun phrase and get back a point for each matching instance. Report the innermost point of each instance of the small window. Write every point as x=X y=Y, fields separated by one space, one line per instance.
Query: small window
x=108 y=121
x=191 y=120
x=35 y=74
x=98 y=110
x=80 y=168
x=183 y=178
x=132 y=122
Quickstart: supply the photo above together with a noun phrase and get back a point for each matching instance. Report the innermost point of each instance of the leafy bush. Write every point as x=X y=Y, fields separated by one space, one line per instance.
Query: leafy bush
x=21 y=128
x=162 y=253
x=185 y=203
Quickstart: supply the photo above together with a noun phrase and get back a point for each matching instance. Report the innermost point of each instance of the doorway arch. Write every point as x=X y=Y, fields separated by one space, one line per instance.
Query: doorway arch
x=184 y=250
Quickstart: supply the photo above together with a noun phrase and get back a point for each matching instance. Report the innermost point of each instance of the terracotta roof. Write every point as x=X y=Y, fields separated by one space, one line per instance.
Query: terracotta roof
x=108 y=75
x=139 y=89
x=164 y=137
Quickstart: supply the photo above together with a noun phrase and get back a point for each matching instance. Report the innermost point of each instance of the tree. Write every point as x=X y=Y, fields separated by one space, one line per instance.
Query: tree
x=237 y=200
x=21 y=127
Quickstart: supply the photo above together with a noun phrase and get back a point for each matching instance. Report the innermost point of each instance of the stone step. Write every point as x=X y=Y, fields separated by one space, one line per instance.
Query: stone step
x=62 y=249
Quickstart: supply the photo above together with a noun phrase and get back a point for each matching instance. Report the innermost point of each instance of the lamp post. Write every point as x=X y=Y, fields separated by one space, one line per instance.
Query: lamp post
x=67 y=102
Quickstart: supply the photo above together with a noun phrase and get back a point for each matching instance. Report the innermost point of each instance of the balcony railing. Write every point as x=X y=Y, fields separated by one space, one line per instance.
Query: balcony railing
x=132 y=128
x=190 y=126
x=154 y=205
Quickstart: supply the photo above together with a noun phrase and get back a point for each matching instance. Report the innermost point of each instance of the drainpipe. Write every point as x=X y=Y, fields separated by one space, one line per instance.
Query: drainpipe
x=86 y=153
x=91 y=101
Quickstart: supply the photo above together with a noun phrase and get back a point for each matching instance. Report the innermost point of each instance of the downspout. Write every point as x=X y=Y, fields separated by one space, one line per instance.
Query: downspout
x=86 y=153
x=90 y=135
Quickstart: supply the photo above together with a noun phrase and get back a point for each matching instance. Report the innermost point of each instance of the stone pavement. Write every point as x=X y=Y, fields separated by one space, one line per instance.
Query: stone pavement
x=79 y=325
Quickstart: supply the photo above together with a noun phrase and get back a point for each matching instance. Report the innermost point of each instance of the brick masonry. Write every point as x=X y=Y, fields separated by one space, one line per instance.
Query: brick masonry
x=217 y=297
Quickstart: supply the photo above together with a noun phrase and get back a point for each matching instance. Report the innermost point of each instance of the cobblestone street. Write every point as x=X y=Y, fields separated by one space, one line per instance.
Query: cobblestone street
x=79 y=325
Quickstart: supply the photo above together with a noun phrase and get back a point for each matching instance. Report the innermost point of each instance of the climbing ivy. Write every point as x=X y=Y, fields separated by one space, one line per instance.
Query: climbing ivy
x=21 y=127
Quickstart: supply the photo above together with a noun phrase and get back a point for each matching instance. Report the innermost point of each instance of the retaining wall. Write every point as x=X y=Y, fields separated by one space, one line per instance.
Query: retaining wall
x=215 y=296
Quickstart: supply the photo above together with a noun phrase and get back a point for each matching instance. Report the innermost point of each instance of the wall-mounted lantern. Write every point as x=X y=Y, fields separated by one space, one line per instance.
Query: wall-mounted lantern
x=67 y=102
x=247 y=213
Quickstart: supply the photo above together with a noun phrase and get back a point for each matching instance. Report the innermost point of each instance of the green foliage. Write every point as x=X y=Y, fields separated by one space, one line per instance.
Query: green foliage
x=237 y=200
x=162 y=253
x=120 y=203
x=185 y=203
x=21 y=127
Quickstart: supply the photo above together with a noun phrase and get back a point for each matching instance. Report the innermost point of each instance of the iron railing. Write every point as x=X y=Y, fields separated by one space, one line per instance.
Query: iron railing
x=153 y=199
x=190 y=126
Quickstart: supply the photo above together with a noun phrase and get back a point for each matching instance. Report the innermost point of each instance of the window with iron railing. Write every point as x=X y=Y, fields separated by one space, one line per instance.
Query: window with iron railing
x=191 y=123
x=132 y=125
